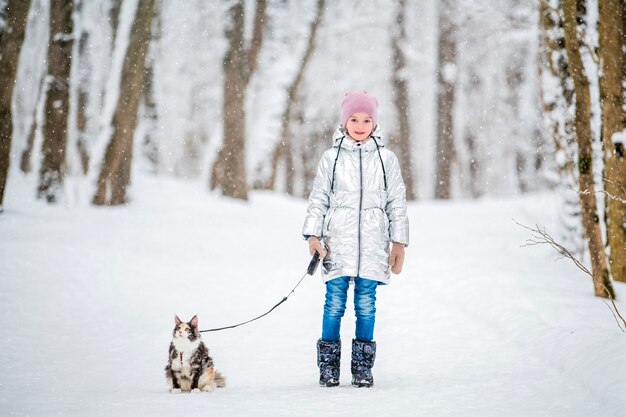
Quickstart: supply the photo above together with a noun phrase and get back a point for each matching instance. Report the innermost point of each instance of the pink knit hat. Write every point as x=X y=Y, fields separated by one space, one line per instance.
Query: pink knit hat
x=358 y=102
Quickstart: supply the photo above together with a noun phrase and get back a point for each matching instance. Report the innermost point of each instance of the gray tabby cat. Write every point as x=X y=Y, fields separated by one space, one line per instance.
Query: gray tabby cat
x=190 y=368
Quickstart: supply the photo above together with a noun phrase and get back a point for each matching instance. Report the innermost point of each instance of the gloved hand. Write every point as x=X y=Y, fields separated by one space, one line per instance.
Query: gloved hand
x=316 y=245
x=396 y=258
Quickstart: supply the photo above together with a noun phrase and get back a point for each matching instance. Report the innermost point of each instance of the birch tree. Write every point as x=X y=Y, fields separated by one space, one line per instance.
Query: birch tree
x=13 y=17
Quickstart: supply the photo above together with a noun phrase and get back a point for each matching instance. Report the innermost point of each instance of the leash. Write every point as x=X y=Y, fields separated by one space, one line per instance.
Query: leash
x=310 y=271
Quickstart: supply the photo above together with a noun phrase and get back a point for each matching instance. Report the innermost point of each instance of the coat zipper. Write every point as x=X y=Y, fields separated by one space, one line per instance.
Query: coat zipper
x=358 y=268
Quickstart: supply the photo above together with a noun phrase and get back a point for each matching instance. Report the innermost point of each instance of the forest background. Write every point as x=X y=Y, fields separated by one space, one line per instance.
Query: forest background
x=477 y=98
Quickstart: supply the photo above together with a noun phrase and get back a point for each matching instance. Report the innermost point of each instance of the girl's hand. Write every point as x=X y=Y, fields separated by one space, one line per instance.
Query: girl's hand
x=316 y=246
x=396 y=258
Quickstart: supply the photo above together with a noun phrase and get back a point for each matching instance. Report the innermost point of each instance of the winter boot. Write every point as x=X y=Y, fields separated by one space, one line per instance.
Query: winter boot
x=328 y=360
x=363 y=355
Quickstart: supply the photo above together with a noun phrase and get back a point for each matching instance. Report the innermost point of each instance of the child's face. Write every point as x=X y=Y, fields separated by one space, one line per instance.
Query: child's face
x=359 y=126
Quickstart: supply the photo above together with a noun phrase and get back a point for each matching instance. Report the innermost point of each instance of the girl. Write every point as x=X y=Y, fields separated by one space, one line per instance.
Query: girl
x=357 y=210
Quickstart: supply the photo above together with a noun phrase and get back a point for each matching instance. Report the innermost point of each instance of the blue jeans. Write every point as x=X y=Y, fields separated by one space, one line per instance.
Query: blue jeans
x=335 y=307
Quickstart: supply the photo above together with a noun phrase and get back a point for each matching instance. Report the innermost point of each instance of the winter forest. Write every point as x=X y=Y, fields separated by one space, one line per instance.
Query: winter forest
x=158 y=154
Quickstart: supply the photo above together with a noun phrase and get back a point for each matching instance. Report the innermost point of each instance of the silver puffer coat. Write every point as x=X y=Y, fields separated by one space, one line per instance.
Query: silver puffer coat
x=360 y=209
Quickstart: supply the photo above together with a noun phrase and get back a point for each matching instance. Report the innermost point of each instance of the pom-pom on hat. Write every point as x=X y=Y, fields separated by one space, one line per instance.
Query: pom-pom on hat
x=358 y=102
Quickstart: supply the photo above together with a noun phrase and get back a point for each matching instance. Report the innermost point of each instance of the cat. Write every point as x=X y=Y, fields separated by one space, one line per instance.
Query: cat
x=190 y=368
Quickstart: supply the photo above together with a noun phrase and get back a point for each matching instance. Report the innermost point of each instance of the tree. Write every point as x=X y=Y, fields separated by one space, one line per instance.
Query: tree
x=149 y=143
x=557 y=98
x=229 y=169
x=115 y=172
x=582 y=127
x=283 y=149
x=114 y=18
x=472 y=130
x=612 y=34
x=52 y=170
x=401 y=140
x=12 y=27
x=83 y=63
x=514 y=81
x=25 y=159
x=446 y=74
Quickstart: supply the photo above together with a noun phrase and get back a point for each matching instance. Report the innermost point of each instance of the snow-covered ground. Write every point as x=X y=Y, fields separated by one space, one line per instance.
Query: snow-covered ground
x=475 y=326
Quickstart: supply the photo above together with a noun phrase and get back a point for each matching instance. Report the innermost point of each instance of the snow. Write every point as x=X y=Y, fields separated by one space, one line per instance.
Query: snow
x=619 y=137
x=352 y=53
x=476 y=324
x=449 y=72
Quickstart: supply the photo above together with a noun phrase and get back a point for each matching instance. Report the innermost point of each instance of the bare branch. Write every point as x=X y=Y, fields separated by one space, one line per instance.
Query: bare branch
x=621 y=188
x=540 y=236
x=606 y=193
x=614 y=315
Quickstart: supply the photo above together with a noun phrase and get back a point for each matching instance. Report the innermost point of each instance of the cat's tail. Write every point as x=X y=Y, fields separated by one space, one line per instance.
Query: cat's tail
x=220 y=380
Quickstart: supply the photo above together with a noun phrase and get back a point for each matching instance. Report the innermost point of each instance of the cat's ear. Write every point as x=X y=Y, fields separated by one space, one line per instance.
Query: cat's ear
x=194 y=321
x=177 y=320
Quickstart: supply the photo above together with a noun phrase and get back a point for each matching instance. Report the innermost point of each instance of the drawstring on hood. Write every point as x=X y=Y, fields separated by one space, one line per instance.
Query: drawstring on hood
x=338 y=140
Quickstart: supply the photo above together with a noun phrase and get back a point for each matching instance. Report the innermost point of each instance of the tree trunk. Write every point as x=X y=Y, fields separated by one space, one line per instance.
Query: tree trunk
x=472 y=166
x=26 y=164
x=446 y=75
x=84 y=70
x=582 y=125
x=149 y=143
x=283 y=148
x=231 y=175
x=515 y=80
x=229 y=169
x=114 y=17
x=52 y=170
x=558 y=109
x=11 y=40
x=473 y=163
x=401 y=140
x=612 y=62
x=115 y=173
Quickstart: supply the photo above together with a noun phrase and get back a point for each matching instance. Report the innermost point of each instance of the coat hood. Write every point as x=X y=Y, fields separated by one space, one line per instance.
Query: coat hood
x=350 y=144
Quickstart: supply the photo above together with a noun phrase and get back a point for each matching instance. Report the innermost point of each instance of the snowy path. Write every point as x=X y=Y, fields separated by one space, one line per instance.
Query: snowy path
x=475 y=325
